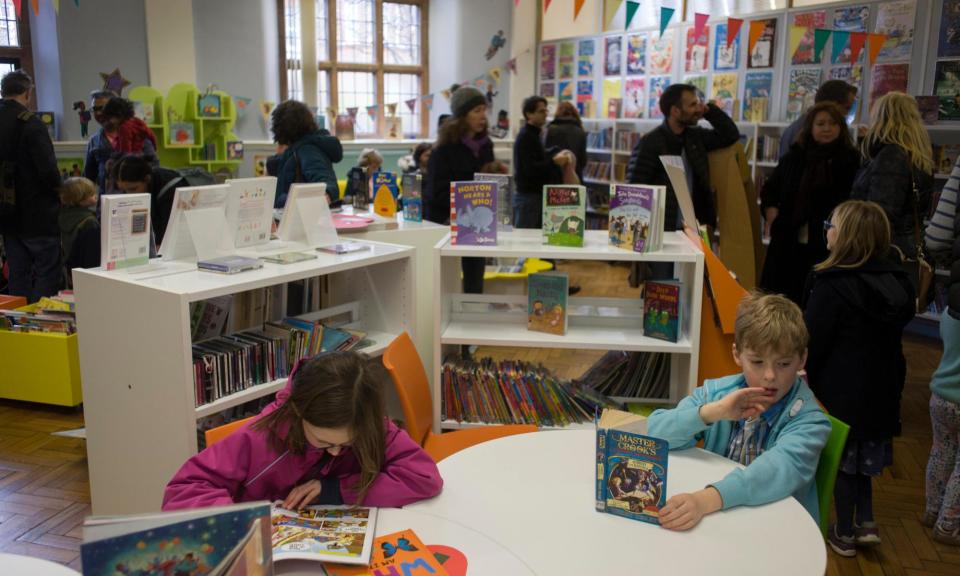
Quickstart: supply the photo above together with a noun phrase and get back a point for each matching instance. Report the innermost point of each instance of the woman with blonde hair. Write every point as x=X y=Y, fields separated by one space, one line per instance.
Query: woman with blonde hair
x=898 y=174
x=856 y=311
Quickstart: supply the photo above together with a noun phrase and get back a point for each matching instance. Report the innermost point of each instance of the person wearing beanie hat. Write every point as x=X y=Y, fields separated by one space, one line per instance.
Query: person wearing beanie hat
x=463 y=149
x=534 y=167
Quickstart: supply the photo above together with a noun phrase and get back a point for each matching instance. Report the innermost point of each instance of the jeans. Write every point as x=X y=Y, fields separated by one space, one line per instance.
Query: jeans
x=35 y=267
x=528 y=211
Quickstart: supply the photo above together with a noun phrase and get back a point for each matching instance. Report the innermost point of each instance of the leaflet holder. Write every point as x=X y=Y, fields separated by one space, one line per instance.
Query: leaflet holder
x=307 y=218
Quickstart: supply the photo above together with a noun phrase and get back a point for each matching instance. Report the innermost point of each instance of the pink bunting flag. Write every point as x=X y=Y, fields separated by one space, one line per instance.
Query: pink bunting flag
x=17 y=7
x=733 y=29
x=699 y=21
x=546 y=5
x=411 y=104
x=512 y=65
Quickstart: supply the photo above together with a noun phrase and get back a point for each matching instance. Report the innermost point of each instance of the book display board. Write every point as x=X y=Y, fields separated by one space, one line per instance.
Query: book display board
x=592 y=323
x=138 y=365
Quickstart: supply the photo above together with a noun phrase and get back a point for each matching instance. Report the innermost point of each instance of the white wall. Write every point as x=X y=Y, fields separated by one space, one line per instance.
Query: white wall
x=46 y=65
x=170 y=47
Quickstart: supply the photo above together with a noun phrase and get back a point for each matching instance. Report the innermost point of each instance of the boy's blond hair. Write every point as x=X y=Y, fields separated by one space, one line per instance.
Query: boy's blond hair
x=369 y=156
x=768 y=322
x=75 y=190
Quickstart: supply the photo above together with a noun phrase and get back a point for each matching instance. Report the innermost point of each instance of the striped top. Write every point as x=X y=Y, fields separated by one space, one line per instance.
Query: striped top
x=748 y=438
x=939 y=232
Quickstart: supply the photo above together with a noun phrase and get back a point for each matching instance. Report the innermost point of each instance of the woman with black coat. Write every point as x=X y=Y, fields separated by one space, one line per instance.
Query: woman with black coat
x=809 y=182
x=565 y=132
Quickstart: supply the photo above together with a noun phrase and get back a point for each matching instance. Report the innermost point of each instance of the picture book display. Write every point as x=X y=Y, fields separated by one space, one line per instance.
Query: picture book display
x=564 y=215
x=949 y=40
x=761 y=56
x=661 y=310
x=636 y=54
x=125 y=230
x=887 y=78
x=234 y=150
x=805 y=53
x=340 y=534
x=250 y=210
x=547 y=302
x=726 y=55
x=398 y=554
x=631 y=467
x=613 y=55
x=473 y=213
x=504 y=198
x=757 y=96
x=657 y=85
x=724 y=92
x=208 y=106
x=548 y=61
x=611 y=97
x=412 y=184
x=230 y=540
x=567 y=54
x=385 y=194
x=181 y=134
x=697 y=49
x=144 y=111
x=633 y=220
x=619 y=374
x=565 y=90
x=803 y=87
x=585 y=52
x=848 y=19
x=634 y=97
x=660 y=54
x=698 y=81
x=896 y=19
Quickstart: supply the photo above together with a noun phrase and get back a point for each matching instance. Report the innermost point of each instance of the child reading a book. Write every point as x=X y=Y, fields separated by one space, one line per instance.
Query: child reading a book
x=79 y=227
x=324 y=440
x=765 y=418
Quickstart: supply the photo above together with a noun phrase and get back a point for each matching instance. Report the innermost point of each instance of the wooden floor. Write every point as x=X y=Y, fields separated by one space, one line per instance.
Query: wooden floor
x=44 y=492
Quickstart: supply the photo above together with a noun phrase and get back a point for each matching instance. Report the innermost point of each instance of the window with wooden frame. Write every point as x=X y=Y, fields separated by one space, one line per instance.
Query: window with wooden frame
x=340 y=54
x=15 y=49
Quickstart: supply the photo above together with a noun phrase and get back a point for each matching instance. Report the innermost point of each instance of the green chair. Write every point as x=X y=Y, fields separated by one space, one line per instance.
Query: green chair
x=827 y=468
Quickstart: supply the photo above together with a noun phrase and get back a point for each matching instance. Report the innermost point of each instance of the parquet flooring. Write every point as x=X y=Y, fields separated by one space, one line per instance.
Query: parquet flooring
x=44 y=492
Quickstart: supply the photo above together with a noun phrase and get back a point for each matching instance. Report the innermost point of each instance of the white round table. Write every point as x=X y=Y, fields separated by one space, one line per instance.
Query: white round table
x=14 y=564
x=534 y=494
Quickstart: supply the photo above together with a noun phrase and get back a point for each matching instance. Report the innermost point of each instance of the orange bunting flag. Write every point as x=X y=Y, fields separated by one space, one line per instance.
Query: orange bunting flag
x=546 y=5
x=876 y=43
x=577 y=6
x=756 y=30
x=733 y=29
x=857 y=40
x=36 y=7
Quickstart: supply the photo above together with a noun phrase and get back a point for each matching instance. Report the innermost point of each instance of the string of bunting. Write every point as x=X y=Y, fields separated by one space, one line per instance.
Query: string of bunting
x=35 y=5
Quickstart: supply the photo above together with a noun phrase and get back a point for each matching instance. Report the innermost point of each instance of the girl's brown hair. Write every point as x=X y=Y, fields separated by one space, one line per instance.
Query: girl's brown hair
x=896 y=120
x=836 y=114
x=454 y=129
x=566 y=109
x=863 y=231
x=335 y=390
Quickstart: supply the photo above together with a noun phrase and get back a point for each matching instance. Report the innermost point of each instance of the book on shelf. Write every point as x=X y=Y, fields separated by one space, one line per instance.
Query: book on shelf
x=621 y=374
x=595 y=170
x=208 y=317
x=627 y=140
x=397 y=554
x=473 y=213
x=944 y=157
x=412 y=184
x=341 y=534
x=233 y=264
x=636 y=217
x=504 y=198
x=631 y=467
x=929 y=107
x=600 y=139
x=125 y=233
x=564 y=215
x=385 y=194
x=181 y=134
x=226 y=541
x=234 y=150
x=547 y=302
x=44 y=321
x=768 y=148
x=144 y=111
x=661 y=310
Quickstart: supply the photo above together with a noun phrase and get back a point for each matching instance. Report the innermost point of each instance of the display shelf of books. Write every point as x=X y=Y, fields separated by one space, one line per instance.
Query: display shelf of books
x=613 y=324
x=149 y=378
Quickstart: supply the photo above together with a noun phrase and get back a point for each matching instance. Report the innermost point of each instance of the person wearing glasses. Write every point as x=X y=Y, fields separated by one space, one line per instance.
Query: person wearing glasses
x=808 y=183
x=100 y=147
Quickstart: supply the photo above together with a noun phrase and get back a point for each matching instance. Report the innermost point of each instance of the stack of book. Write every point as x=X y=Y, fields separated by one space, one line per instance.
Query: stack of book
x=630 y=375
x=514 y=392
x=56 y=315
x=597 y=171
x=627 y=141
x=600 y=139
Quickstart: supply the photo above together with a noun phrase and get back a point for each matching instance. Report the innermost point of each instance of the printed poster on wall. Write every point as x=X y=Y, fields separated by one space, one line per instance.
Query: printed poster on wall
x=947 y=87
x=852 y=75
x=895 y=19
x=757 y=95
x=887 y=78
x=565 y=89
x=724 y=57
x=657 y=85
x=585 y=53
x=567 y=60
x=584 y=90
x=634 y=97
x=802 y=89
x=612 y=55
x=699 y=82
x=762 y=54
x=724 y=92
x=611 y=97
x=949 y=44
x=850 y=19
x=548 y=61
x=697 y=50
x=660 y=55
x=548 y=89
x=636 y=54
x=805 y=52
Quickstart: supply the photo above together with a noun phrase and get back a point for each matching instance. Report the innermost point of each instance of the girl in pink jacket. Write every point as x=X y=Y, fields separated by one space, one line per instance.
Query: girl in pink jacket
x=324 y=440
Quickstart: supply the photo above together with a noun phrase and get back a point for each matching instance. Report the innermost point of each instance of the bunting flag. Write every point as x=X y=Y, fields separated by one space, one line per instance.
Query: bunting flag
x=840 y=39
x=756 y=30
x=56 y=6
x=516 y=3
x=632 y=8
x=796 y=36
x=36 y=7
x=699 y=21
x=820 y=37
x=445 y=94
x=17 y=7
x=610 y=8
x=546 y=6
x=511 y=65
x=428 y=102
x=857 y=40
x=577 y=5
x=331 y=113
x=412 y=105
x=495 y=75
x=733 y=29
x=876 y=43
x=391 y=109
x=352 y=112
x=242 y=105
x=266 y=109
x=479 y=82
x=372 y=111
x=666 y=14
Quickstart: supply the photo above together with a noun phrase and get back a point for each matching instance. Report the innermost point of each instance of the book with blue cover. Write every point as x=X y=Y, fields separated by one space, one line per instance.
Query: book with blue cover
x=631 y=467
x=412 y=196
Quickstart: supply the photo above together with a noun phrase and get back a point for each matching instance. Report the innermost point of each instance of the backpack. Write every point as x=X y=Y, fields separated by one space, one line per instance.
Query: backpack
x=188 y=177
x=8 y=172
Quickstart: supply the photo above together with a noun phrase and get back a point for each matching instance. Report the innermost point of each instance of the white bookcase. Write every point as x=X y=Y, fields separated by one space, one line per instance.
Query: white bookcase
x=501 y=320
x=137 y=366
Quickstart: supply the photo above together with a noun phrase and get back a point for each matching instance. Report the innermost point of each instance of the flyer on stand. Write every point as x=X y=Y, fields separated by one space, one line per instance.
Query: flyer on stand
x=125 y=233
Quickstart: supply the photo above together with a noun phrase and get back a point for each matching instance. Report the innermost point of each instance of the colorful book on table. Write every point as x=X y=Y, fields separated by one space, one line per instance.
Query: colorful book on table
x=413 y=197
x=342 y=534
x=385 y=194
x=633 y=216
x=564 y=215
x=473 y=213
x=661 y=310
x=398 y=554
x=631 y=467
x=547 y=302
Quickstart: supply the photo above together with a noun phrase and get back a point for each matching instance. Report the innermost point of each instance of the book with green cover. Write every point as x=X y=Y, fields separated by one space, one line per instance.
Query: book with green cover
x=564 y=215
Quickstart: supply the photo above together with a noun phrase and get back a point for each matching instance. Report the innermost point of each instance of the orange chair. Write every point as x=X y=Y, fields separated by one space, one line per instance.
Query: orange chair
x=406 y=369
x=214 y=435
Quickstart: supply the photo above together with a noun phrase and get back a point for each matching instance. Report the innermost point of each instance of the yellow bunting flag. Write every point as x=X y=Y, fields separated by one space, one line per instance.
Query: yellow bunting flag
x=796 y=37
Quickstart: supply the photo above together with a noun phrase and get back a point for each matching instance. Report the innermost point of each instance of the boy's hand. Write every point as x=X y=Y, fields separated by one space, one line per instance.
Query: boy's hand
x=744 y=403
x=302 y=495
x=684 y=511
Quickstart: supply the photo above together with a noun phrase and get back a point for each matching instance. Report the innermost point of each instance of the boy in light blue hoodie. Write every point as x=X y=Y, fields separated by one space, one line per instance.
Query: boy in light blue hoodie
x=765 y=418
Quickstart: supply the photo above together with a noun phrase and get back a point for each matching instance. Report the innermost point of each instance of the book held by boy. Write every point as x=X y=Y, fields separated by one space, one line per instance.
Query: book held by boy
x=547 y=302
x=385 y=194
x=473 y=213
x=631 y=467
x=398 y=554
x=661 y=310
x=564 y=215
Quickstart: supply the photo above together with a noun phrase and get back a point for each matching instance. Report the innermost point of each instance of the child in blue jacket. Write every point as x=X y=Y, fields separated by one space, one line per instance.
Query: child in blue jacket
x=765 y=418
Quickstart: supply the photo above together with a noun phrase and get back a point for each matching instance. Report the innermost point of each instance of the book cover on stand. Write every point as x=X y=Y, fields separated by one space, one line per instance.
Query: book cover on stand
x=398 y=554
x=631 y=467
x=385 y=194
x=661 y=310
x=473 y=213
x=412 y=184
x=564 y=215
x=547 y=302
x=504 y=198
x=125 y=230
x=633 y=211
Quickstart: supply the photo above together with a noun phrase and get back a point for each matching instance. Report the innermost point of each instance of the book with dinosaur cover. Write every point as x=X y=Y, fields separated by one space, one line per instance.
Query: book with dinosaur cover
x=564 y=215
x=473 y=213
x=547 y=302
